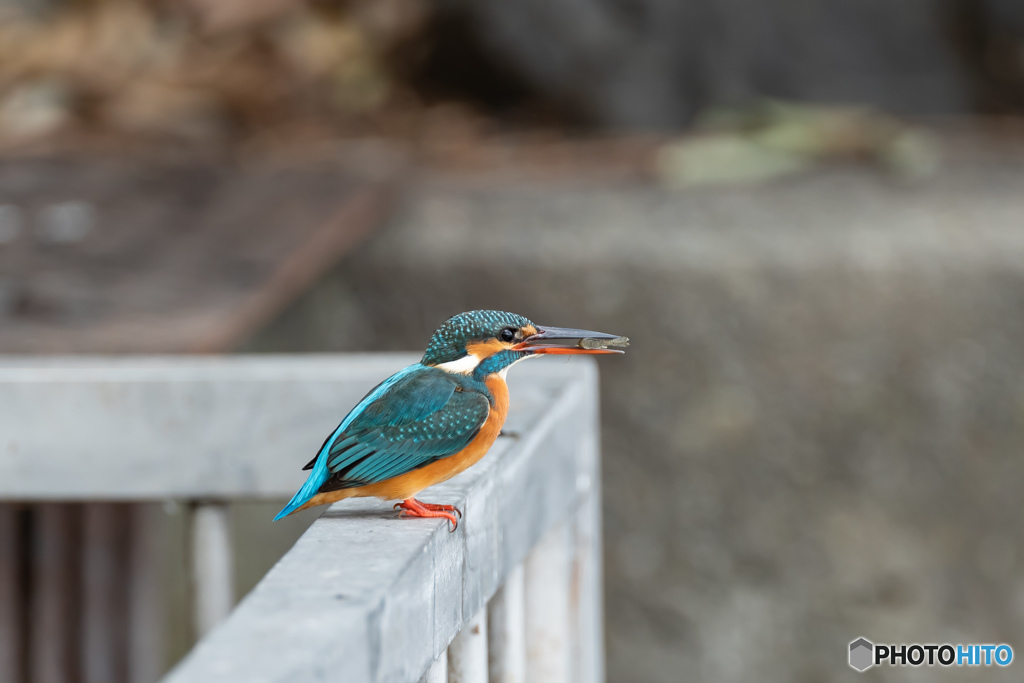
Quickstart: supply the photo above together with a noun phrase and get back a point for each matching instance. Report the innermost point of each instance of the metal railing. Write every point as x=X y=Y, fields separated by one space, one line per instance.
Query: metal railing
x=513 y=595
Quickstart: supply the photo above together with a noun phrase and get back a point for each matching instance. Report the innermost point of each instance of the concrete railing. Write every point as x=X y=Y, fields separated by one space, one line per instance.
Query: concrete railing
x=513 y=595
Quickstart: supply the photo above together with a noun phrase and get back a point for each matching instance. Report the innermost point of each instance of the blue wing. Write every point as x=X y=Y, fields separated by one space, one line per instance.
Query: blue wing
x=413 y=418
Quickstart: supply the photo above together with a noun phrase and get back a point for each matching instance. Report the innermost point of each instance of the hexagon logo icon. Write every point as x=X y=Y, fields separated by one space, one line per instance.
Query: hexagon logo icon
x=862 y=654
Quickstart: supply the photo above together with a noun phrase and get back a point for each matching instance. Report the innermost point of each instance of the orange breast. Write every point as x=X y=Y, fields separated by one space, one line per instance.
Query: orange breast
x=409 y=484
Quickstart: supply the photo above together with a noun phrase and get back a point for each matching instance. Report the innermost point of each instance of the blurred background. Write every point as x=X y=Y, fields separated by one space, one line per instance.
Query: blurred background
x=808 y=217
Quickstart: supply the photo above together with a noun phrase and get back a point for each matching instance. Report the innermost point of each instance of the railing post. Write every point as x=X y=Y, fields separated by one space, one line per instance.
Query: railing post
x=548 y=622
x=587 y=599
x=145 y=595
x=467 y=655
x=11 y=636
x=105 y=539
x=212 y=566
x=54 y=617
x=506 y=631
x=587 y=578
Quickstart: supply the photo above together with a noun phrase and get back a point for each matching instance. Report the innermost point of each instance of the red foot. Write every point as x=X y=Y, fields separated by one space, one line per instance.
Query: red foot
x=442 y=508
x=413 y=508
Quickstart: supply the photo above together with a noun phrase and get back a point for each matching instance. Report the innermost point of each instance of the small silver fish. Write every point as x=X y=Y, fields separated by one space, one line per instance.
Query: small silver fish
x=618 y=343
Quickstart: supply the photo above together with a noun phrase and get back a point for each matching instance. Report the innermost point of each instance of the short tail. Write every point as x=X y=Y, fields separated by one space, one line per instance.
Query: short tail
x=316 y=479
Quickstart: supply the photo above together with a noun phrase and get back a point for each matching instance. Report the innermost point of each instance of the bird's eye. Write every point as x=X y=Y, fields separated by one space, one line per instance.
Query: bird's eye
x=507 y=334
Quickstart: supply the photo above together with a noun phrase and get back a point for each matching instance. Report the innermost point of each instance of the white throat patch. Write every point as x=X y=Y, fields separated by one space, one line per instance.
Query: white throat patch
x=462 y=366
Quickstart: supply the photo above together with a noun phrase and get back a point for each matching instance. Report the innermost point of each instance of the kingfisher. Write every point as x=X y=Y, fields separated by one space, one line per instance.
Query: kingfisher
x=434 y=419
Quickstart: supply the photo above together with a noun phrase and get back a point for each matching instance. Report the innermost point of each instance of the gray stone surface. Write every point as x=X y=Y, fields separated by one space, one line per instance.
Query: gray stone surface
x=365 y=597
x=817 y=431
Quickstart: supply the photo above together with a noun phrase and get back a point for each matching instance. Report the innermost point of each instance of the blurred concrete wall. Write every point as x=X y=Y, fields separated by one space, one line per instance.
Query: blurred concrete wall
x=817 y=431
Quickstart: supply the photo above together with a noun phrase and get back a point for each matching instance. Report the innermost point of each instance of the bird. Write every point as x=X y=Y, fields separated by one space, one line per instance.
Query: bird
x=435 y=418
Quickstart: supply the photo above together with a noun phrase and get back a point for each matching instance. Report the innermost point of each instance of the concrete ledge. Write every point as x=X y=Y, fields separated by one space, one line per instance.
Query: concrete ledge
x=140 y=428
x=364 y=596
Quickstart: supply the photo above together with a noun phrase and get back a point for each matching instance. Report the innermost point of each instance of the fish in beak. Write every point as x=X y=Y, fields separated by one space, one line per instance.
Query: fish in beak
x=563 y=340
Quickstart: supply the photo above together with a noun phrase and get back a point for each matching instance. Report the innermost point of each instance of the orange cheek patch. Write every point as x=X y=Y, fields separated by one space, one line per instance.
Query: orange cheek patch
x=529 y=331
x=485 y=349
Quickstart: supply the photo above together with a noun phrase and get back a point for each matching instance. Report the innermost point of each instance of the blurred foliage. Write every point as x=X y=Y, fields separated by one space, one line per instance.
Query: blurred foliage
x=275 y=70
x=200 y=69
x=777 y=139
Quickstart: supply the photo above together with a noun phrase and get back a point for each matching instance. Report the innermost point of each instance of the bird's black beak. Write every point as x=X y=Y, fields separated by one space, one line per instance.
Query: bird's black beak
x=563 y=340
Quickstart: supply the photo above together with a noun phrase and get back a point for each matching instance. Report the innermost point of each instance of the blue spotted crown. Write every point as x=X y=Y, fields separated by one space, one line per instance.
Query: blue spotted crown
x=449 y=341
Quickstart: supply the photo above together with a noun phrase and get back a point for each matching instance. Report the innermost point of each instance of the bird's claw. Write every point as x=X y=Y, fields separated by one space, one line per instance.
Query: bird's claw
x=432 y=506
x=443 y=508
x=414 y=508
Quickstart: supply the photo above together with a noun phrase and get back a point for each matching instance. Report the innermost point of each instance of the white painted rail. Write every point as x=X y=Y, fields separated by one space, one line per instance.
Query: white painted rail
x=513 y=595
